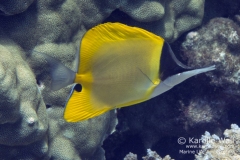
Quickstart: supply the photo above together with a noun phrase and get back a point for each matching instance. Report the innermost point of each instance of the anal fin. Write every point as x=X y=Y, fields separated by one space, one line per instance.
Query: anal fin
x=79 y=107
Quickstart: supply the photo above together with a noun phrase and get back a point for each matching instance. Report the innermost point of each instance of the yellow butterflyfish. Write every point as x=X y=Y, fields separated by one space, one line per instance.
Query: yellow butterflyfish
x=119 y=66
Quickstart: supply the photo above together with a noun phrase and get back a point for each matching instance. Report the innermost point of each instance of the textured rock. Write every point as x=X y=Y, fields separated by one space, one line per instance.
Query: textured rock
x=202 y=111
x=36 y=150
x=217 y=43
x=215 y=147
x=23 y=118
x=82 y=140
x=174 y=113
x=55 y=27
x=60 y=21
x=12 y=7
x=151 y=155
x=169 y=19
x=130 y=156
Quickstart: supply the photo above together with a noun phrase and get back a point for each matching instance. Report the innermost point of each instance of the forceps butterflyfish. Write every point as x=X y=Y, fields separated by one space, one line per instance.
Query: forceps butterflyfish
x=119 y=66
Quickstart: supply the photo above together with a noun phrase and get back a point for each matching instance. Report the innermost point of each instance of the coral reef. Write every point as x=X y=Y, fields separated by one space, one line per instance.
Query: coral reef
x=23 y=118
x=189 y=117
x=60 y=21
x=55 y=27
x=206 y=110
x=130 y=156
x=12 y=7
x=154 y=156
x=169 y=19
x=218 y=42
x=80 y=140
x=49 y=27
x=215 y=147
x=151 y=155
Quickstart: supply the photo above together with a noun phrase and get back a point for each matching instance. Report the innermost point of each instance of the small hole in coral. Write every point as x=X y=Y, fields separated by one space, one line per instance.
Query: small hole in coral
x=38 y=83
x=48 y=106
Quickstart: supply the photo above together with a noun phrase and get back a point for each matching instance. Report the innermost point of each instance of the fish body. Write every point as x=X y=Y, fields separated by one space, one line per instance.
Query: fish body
x=119 y=66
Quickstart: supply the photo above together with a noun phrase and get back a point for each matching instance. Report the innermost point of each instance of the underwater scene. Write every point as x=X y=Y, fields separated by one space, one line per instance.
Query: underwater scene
x=119 y=80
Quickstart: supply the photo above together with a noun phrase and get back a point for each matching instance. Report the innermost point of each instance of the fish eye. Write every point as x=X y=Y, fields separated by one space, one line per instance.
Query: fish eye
x=78 y=87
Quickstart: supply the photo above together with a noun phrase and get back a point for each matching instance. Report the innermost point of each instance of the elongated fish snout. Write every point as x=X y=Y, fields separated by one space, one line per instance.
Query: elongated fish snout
x=172 y=81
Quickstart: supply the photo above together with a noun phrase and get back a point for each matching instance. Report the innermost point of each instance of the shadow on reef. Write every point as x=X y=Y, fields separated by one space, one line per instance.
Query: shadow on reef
x=185 y=111
x=207 y=102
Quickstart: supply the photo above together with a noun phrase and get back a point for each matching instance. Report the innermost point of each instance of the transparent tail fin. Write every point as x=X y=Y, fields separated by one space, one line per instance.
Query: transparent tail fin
x=61 y=76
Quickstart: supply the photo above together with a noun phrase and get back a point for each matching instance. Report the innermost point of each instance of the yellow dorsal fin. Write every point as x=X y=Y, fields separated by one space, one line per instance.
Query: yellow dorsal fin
x=105 y=33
